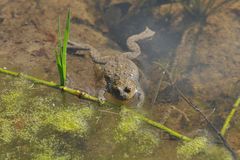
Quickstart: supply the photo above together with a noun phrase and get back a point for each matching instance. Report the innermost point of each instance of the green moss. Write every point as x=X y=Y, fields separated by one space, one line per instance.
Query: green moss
x=192 y=148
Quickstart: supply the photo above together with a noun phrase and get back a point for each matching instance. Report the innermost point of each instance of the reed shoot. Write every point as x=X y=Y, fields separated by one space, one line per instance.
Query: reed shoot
x=61 y=50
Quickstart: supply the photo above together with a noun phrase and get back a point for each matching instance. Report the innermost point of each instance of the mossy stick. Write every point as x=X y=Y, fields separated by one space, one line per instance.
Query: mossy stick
x=196 y=108
x=86 y=96
x=160 y=126
x=230 y=117
x=77 y=93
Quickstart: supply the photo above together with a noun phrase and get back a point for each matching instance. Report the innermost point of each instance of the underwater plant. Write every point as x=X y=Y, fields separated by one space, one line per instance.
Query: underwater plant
x=61 y=51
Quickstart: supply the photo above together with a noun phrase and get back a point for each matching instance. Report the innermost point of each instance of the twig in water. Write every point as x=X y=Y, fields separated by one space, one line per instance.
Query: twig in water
x=196 y=108
x=166 y=116
x=158 y=86
x=182 y=113
x=209 y=114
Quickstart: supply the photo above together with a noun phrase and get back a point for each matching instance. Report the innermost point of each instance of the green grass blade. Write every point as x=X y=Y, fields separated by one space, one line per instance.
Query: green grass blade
x=61 y=50
x=59 y=67
x=64 y=47
x=59 y=53
x=59 y=36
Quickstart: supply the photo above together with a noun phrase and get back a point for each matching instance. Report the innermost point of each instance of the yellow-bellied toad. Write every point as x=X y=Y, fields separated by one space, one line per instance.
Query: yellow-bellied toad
x=120 y=73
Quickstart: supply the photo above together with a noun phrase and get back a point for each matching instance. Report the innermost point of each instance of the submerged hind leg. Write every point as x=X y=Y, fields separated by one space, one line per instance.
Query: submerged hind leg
x=132 y=43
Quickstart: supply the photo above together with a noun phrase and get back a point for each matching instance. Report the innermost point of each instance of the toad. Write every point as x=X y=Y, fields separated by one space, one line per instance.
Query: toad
x=120 y=73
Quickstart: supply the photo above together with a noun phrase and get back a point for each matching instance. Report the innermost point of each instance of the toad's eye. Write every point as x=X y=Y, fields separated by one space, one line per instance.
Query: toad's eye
x=127 y=89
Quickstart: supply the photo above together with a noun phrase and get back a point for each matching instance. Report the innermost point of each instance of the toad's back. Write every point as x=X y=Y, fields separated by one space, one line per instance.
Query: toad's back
x=121 y=68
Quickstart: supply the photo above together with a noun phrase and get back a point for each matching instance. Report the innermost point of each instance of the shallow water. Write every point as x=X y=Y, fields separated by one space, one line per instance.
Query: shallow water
x=38 y=122
x=41 y=123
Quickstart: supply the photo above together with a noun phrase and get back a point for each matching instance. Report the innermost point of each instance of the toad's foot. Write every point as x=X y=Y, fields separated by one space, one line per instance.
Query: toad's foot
x=101 y=94
x=140 y=97
x=132 y=43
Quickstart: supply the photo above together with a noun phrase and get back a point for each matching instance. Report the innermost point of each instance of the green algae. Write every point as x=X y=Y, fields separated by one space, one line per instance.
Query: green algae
x=131 y=133
x=192 y=148
x=128 y=125
x=10 y=102
x=6 y=131
x=146 y=142
x=71 y=120
x=200 y=148
x=45 y=149
x=213 y=152
x=36 y=127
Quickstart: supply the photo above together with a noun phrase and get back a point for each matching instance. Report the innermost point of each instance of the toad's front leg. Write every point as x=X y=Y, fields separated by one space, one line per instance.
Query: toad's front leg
x=140 y=97
x=101 y=94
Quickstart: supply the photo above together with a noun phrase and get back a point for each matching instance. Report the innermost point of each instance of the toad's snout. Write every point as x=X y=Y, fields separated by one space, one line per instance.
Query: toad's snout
x=124 y=93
